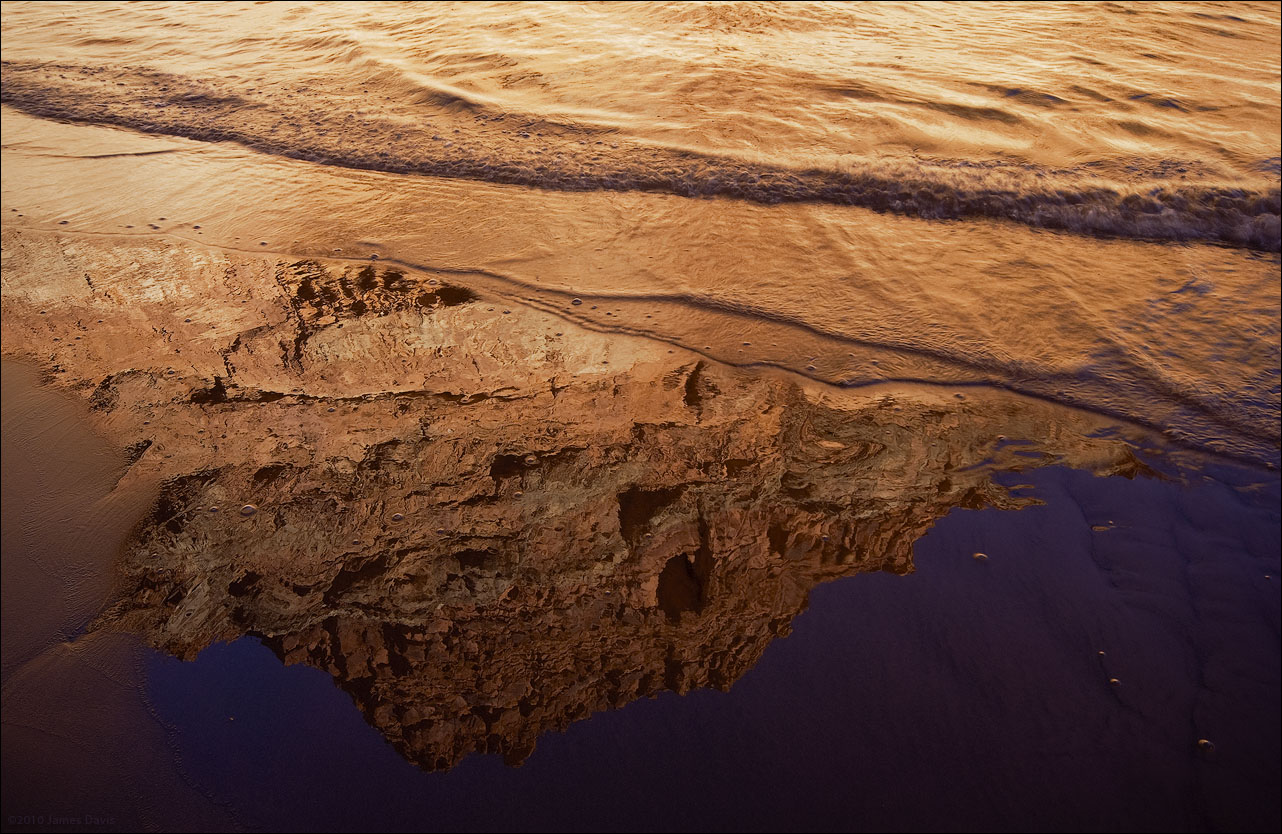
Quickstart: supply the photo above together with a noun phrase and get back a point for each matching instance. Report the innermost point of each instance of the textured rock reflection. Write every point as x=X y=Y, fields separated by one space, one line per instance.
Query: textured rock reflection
x=480 y=526
x=473 y=589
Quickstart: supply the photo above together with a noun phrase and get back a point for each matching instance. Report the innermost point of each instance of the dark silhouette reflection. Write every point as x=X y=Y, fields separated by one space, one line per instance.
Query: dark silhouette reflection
x=476 y=575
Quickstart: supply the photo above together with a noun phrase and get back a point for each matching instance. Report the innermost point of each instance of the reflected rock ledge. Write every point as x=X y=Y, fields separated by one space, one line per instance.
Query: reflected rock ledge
x=478 y=528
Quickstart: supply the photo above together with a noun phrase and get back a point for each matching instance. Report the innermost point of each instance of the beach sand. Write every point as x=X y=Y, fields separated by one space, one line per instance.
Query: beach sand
x=641 y=416
x=482 y=553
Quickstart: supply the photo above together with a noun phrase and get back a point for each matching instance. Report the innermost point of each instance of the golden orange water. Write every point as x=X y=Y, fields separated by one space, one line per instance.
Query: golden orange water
x=515 y=361
x=1075 y=201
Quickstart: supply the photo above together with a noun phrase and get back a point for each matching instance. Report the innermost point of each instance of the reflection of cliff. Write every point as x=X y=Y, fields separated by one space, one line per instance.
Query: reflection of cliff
x=472 y=589
x=480 y=528
x=576 y=553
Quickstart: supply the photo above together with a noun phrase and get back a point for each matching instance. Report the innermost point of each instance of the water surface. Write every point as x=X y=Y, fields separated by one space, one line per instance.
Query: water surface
x=519 y=375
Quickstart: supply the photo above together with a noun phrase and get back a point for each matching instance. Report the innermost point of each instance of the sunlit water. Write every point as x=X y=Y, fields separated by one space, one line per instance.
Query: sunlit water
x=1076 y=201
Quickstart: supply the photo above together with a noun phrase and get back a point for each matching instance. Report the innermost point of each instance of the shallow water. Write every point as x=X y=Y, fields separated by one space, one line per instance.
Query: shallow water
x=80 y=738
x=561 y=350
x=970 y=696
x=1133 y=120
x=917 y=110
x=973 y=692
x=63 y=521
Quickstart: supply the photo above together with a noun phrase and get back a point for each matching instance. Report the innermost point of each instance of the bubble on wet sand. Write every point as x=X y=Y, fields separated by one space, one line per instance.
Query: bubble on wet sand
x=398 y=516
x=248 y=510
x=531 y=460
x=979 y=556
x=213 y=509
x=576 y=302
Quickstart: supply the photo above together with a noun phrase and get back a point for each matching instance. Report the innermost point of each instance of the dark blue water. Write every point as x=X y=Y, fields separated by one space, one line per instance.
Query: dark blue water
x=968 y=696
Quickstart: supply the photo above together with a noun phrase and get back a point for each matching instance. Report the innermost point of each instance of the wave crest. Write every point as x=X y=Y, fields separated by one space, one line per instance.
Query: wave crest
x=512 y=149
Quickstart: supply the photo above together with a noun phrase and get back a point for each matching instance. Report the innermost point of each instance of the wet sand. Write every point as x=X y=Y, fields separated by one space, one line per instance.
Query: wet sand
x=511 y=549
x=641 y=416
x=61 y=527
x=83 y=749
x=531 y=479
x=1182 y=339
x=970 y=695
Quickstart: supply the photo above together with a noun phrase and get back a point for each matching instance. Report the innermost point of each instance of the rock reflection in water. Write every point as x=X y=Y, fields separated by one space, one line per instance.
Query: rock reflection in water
x=485 y=522
x=496 y=571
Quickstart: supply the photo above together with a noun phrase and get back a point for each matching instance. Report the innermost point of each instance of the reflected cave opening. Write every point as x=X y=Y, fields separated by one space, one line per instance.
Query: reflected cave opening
x=683 y=582
x=680 y=589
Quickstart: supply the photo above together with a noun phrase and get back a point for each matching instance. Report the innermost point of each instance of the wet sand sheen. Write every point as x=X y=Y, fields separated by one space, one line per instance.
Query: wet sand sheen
x=903 y=670
x=491 y=482
x=82 y=747
x=63 y=526
x=713 y=109
x=1110 y=594
x=1177 y=338
x=402 y=401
